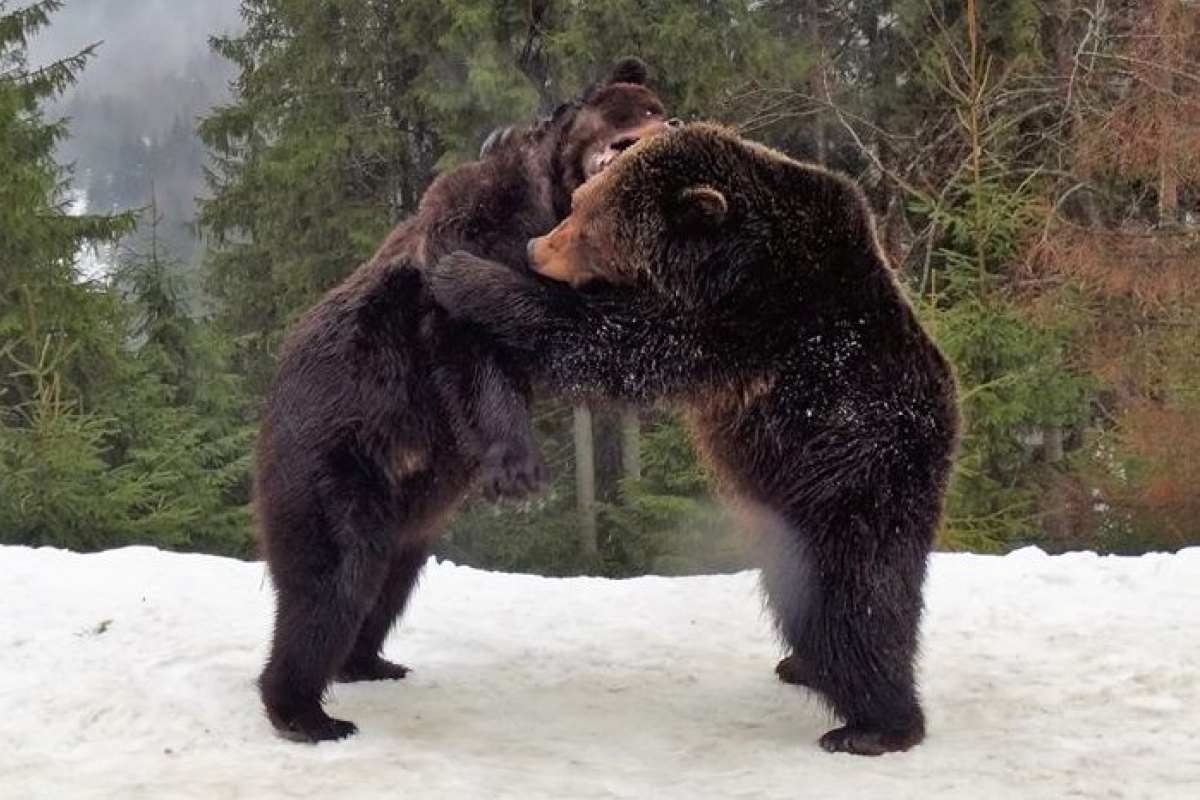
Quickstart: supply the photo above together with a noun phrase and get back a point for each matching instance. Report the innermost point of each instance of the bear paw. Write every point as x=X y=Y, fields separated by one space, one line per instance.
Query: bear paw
x=792 y=669
x=508 y=473
x=311 y=727
x=861 y=741
x=377 y=669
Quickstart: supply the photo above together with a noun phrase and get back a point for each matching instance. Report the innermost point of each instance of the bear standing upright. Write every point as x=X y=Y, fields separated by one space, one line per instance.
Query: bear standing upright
x=750 y=291
x=383 y=412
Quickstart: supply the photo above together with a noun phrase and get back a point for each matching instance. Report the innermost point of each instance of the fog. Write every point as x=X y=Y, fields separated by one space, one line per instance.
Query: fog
x=139 y=38
x=133 y=112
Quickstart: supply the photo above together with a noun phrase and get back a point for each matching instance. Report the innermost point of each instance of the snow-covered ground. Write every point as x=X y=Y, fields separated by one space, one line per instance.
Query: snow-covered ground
x=129 y=674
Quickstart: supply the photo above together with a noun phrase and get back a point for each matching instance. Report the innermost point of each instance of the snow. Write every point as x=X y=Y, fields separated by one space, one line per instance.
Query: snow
x=92 y=262
x=129 y=674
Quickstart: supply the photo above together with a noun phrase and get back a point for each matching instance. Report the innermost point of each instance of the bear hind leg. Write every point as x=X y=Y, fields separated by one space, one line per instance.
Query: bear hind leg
x=862 y=641
x=789 y=582
x=366 y=662
x=850 y=609
x=319 y=611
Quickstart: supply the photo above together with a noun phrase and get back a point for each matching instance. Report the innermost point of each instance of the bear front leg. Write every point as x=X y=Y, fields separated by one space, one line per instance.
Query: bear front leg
x=615 y=344
x=488 y=409
x=510 y=467
x=526 y=314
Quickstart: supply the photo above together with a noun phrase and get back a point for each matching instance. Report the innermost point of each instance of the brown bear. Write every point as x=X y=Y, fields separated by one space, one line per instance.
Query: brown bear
x=384 y=412
x=750 y=291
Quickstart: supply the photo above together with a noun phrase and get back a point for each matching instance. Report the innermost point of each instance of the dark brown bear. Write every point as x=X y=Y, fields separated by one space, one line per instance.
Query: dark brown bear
x=749 y=290
x=384 y=413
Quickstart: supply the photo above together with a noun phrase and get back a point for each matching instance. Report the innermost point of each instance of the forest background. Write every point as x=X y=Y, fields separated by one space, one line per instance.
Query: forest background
x=173 y=198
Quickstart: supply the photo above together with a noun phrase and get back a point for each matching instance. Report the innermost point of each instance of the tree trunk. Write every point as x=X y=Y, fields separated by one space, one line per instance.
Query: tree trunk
x=585 y=481
x=631 y=444
x=1057 y=521
x=1054 y=444
x=1168 y=190
x=1171 y=57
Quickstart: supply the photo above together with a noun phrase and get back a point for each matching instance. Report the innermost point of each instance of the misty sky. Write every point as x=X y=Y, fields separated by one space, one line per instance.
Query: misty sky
x=152 y=72
x=140 y=37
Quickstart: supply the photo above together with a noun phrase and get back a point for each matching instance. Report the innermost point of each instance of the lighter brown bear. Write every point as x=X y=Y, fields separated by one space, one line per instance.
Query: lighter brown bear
x=749 y=291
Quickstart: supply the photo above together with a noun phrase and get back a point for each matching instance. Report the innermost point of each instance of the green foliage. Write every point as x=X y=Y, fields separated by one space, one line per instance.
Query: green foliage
x=708 y=58
x=127 y=416
x=185 y=424
x=117 y=425
x=310 y=164
x=665 y=522
x=668 y=522
x=1014 y=385
x=57 y=342
x=40 y=296
x=56 y=487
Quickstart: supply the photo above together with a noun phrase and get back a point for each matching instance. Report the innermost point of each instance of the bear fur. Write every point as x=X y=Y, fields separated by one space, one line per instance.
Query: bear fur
x=384 y=413
x=749 y=290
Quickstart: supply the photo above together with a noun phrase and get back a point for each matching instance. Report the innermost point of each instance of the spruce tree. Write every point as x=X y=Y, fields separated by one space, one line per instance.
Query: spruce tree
x=61 y=344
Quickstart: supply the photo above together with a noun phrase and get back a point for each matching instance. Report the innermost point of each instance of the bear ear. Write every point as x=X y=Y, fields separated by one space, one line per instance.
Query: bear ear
x=629 y=70
x=701 y=206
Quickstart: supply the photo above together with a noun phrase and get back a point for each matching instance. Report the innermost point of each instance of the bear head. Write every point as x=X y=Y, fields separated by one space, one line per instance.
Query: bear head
x=585 y=135
x=702 y=216
x=609 y=118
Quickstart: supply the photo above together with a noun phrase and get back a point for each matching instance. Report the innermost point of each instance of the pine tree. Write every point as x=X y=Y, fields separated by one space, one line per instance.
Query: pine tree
x=42 y=298
x=187 y=425
x=61 y=348
x=311 y=165
x=117 y=425
x=347 y=108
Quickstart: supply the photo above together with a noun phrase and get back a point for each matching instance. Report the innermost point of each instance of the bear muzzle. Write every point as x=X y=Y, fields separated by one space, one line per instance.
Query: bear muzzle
x=546 y=259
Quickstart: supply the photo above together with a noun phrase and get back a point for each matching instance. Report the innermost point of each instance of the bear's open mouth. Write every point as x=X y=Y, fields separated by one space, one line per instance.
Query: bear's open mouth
x=623 y=142
x=605 y=157
x=609 y=154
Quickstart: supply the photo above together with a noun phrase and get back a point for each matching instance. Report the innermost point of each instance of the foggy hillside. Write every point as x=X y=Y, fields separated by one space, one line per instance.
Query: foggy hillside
x=134 y=111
